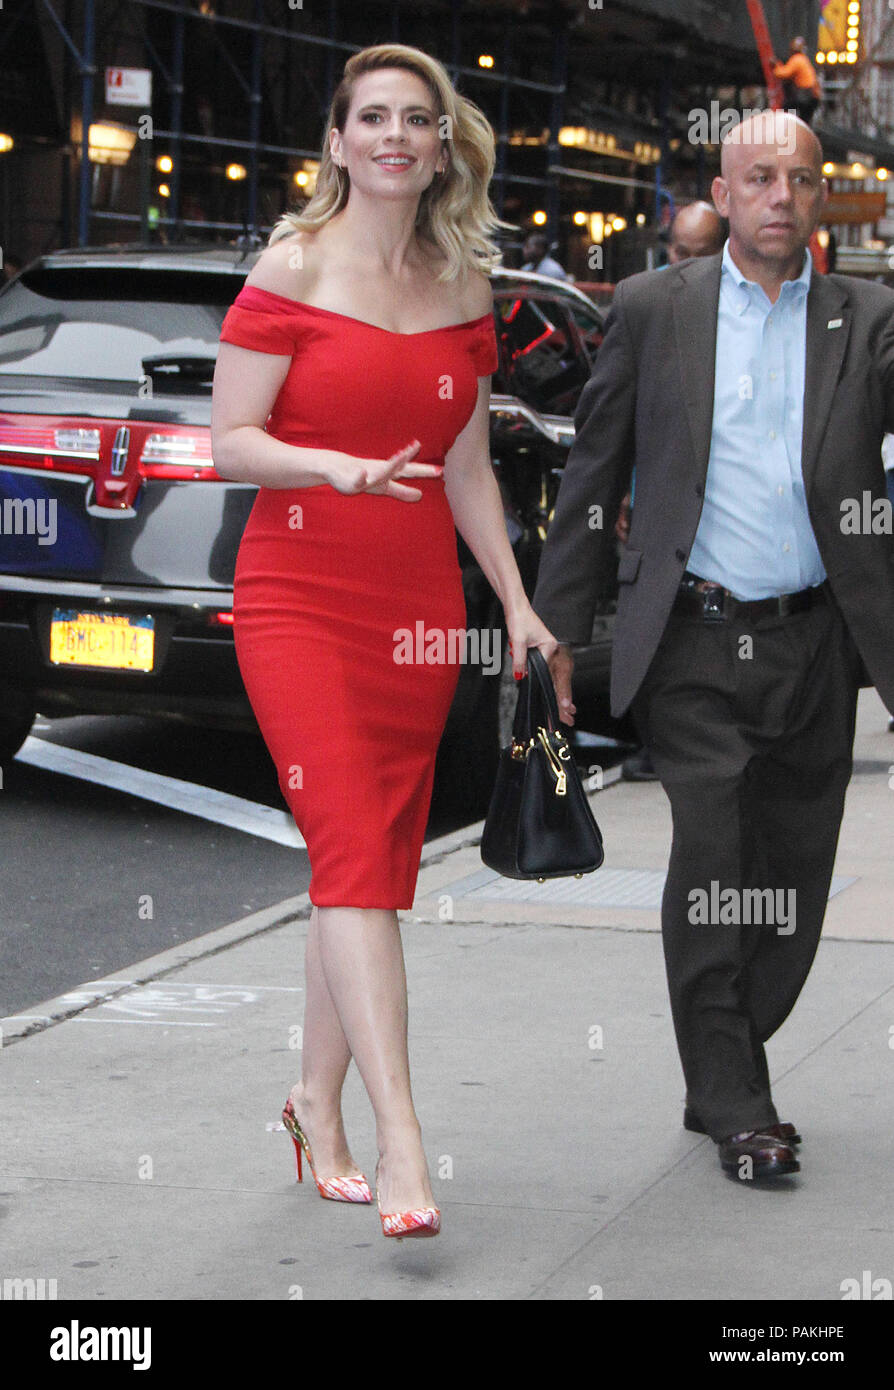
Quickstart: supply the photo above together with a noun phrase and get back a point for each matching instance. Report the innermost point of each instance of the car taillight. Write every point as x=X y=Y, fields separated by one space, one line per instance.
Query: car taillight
x=177 y=456
x=117 y=454
x=63 y=448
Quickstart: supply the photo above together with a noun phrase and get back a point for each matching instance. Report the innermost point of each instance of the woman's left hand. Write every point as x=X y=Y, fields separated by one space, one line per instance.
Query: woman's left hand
x=526 y=630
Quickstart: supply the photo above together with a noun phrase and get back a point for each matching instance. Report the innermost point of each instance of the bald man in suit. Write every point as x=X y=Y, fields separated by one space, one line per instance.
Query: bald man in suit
x=752 y=396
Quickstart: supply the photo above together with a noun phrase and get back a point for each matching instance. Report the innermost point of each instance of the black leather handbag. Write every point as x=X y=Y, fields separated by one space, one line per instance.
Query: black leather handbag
x=539 y=823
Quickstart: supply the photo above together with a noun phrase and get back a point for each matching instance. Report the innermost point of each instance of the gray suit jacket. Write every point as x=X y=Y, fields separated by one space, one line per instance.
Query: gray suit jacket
x=650 y=402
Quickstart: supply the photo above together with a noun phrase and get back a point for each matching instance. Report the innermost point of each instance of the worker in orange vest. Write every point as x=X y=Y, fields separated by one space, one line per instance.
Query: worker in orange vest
x=802 y=88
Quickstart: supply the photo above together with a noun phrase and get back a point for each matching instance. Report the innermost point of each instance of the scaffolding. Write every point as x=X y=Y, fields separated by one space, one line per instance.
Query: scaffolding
x=256 y=30
x=265 y=53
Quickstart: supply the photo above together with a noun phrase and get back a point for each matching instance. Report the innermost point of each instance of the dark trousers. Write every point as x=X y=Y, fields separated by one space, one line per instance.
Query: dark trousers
x=750 y=727
x=801 y=100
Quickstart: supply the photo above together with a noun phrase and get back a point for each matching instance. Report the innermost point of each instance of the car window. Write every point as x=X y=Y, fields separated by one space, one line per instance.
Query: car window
x=590 y=323
x=544 y=365
x=99 y=324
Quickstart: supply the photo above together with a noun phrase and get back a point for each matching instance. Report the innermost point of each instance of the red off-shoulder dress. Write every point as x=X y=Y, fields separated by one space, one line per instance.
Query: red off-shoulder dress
x=328 y=586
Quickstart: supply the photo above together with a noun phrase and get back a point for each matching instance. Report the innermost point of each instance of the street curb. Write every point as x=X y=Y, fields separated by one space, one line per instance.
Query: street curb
x=59 y=1008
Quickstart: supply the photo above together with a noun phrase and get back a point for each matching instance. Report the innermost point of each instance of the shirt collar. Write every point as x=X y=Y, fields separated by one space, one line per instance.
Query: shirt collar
x=791 y=289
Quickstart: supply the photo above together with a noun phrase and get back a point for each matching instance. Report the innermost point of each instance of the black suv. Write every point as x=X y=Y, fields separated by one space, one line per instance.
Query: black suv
x=117 y=537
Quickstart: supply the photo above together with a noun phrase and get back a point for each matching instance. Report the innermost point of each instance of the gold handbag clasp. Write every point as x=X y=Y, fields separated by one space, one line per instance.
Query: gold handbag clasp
x=554 y=762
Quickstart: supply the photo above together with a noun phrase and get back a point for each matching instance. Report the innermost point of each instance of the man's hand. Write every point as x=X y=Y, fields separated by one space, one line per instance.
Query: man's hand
x=622 y=525
x=561 y=665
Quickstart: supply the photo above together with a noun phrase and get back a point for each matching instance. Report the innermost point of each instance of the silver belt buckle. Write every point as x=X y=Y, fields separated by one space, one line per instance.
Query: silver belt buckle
x=713 y=604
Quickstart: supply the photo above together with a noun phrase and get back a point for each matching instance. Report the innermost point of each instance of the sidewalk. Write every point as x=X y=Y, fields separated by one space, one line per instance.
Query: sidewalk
x=144 y=1156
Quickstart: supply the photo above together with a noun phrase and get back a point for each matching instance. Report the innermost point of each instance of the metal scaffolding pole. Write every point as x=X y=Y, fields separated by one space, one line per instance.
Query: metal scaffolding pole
x=503 y=132
x=257 y=59
x=87 y=74
x=176 y=116
x=663 y=108
x=560 y=78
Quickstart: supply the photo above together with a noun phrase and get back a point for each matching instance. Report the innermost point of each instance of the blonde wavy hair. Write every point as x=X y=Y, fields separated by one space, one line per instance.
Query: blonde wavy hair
x=455 y=211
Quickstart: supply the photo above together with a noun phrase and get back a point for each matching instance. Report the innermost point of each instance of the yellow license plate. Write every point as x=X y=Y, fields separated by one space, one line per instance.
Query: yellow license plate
x=113 y=641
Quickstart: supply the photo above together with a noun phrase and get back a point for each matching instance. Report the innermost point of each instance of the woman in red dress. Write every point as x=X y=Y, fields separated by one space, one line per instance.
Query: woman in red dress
x=352 y=385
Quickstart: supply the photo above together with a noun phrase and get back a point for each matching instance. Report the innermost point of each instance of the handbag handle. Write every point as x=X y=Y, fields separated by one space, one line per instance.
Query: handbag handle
x=537 y=706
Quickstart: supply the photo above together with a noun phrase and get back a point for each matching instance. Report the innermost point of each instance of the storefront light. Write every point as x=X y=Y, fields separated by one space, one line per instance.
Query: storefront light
x=108 y=143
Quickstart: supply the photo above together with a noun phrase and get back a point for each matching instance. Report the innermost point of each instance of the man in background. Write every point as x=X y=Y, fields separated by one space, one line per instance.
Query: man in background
x=536 y=257
x=697 y=230
x=802 y=88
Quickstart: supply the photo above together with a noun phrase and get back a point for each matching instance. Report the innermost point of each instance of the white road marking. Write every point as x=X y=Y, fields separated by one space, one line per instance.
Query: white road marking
x=153 y=1003
x=134 y=1000
x=175 y=984
x=148 y=1022
x=205 y=802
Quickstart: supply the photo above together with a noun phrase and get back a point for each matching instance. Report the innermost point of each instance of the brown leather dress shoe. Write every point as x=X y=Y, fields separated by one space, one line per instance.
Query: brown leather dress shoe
x=786 y=1132
x=767 y=1156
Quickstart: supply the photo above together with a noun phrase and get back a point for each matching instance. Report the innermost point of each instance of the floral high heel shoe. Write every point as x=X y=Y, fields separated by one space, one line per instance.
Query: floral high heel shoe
x=335 y=1189
x=423 y=1221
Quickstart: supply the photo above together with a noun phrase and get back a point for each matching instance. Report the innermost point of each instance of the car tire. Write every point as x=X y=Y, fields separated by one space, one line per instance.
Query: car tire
x=18 y=712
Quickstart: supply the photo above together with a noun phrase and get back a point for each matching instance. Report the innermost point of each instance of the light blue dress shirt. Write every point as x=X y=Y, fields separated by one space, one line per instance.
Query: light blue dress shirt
x=754 y=535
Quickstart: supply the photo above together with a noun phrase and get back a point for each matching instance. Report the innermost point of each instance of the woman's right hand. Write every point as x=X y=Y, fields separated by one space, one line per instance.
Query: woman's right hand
x=352 y=475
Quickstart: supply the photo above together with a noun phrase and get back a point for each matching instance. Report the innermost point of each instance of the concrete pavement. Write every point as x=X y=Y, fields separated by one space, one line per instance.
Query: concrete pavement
x=143 y=1155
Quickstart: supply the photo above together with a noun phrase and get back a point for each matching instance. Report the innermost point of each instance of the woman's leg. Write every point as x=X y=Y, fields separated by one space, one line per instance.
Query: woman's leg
x=325 y=1059
x=363 y=965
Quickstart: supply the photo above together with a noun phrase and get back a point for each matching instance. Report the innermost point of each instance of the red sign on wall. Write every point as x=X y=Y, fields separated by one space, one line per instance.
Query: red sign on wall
x=855 y=208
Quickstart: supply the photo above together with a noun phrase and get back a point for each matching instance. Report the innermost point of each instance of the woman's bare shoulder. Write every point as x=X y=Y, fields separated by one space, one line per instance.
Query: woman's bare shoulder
x=288 y=267
x=478 y=294
x=473 y=288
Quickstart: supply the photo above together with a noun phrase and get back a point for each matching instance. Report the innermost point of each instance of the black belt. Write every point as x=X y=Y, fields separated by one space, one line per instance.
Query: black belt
x=701 y=598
